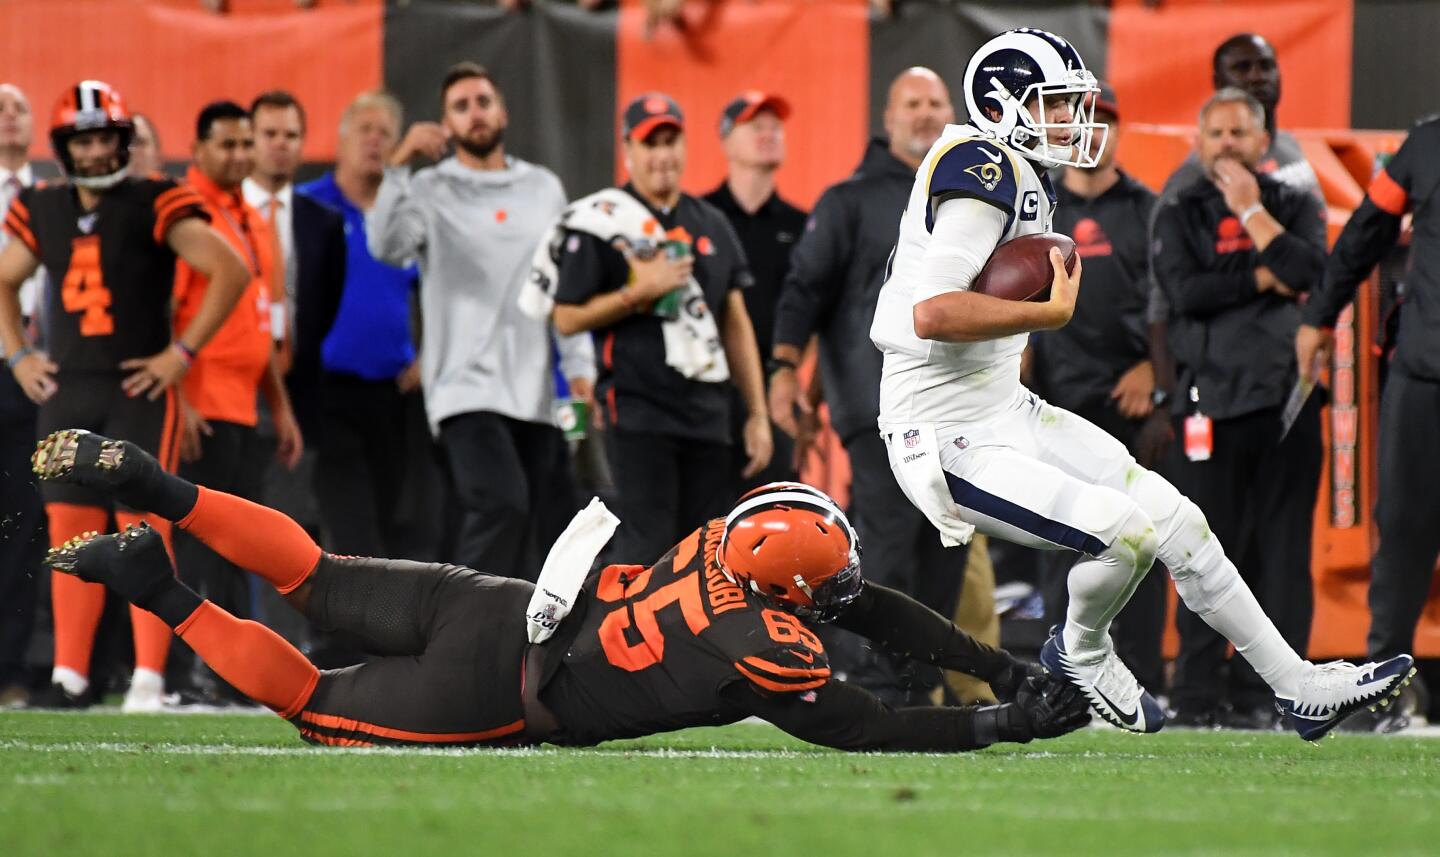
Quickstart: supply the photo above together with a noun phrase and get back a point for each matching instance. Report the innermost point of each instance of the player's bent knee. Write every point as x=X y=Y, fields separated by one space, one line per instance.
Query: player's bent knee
x=1183 y=534
x=1136 y=543
x=1156 y=496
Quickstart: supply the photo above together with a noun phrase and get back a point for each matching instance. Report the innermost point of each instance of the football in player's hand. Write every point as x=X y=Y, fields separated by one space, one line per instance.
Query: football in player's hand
x=1020 y=270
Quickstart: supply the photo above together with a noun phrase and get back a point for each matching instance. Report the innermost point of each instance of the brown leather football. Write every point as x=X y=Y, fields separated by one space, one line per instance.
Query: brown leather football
x=1019 y=270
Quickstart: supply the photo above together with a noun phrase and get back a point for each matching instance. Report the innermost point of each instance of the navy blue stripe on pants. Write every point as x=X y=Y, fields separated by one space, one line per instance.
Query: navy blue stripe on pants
x=970 y=496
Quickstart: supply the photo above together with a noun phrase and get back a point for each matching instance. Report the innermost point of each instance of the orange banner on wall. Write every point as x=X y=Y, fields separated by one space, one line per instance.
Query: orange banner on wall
x=169 y=58
x=1160 y=58
x=815 y=54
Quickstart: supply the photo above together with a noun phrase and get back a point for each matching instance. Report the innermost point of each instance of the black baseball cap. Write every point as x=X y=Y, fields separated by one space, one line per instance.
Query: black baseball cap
x=747 y=104
x=1107 y=101
x=649 y=112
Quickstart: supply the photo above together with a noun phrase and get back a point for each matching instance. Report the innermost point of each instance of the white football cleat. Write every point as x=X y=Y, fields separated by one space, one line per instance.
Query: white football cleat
x=1113 y=692
x=1331 y=692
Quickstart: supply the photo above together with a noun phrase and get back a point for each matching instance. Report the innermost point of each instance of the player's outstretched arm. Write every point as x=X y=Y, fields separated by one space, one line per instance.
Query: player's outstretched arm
x=908 y=628
x=965 y=232
x=847 y=717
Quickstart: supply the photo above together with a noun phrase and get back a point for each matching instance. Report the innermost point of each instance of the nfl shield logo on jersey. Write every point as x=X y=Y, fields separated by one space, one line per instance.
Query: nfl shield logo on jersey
x=912 y=438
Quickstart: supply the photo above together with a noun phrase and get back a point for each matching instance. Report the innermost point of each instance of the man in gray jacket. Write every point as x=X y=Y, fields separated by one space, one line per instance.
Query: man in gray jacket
x=472 y=222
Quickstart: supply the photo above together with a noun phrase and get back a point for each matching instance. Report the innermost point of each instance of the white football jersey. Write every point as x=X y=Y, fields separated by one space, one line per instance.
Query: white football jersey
x=943 y=382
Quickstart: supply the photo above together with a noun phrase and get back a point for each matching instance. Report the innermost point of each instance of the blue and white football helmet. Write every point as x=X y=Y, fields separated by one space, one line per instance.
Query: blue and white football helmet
x=1020 y=66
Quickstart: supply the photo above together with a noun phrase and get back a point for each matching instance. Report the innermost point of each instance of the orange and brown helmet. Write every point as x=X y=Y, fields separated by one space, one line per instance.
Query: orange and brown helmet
x=791 y=544
x=91 y=105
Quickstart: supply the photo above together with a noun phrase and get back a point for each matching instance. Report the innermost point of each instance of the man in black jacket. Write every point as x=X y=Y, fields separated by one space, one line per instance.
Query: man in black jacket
x=1233 y=252
x=1404 y=563
x=836 y=272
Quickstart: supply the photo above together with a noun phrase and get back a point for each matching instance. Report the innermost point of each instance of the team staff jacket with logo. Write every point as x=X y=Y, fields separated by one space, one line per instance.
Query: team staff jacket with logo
x=111 y=270
x=678 y=645
x=639 y=390
x=1231 y=341
x=1078 y=365
x=1410 y=182
x=1285 y=162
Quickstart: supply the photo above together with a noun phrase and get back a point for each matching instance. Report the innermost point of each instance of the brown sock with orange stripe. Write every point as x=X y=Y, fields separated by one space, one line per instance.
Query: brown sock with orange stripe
x=76 y=605
x=254 y=659
x=257 y=539
x=152 y=635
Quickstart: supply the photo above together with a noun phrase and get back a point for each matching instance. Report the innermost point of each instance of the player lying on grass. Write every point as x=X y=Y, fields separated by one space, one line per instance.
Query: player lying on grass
x=715 y=631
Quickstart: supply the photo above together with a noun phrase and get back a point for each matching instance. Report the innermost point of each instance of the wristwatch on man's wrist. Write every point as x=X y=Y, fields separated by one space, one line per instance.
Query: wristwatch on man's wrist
x=775 y=364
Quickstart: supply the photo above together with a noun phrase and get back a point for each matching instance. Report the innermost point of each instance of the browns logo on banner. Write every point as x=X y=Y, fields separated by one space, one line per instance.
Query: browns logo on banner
x=169 y=58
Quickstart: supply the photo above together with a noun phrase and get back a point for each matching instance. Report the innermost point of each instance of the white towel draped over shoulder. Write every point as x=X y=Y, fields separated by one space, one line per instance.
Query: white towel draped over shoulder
x=692 y=340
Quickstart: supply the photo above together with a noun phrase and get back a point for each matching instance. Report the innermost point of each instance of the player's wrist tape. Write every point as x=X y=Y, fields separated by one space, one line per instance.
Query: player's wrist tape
x=1250 y=212
x=775 y=364
x=14 y=359
x=185 y=353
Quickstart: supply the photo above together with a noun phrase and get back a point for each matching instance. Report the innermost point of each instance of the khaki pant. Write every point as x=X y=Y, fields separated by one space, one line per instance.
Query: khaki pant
x=975 y=614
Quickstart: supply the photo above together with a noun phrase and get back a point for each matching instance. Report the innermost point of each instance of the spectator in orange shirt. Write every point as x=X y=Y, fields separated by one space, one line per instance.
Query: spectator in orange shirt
x=220 y=446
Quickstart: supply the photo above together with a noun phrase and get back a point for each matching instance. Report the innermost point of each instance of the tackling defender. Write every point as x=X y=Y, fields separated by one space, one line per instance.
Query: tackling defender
x=975 y=450
x=713 y=632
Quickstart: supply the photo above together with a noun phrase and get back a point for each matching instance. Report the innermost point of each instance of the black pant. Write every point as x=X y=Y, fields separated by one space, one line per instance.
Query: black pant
x=373 y=467
x=1140 y=626
x=900 y=549
x=781 y=467
x=1258 y=495
x=664 y=487
x=231 y=460
x=23 y=532
x=450 y=642
x=1407 y=512
x=512 y=481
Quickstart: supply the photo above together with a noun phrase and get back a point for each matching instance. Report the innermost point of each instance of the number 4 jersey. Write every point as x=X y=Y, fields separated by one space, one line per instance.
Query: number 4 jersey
x=656 y=646
x=111 y=272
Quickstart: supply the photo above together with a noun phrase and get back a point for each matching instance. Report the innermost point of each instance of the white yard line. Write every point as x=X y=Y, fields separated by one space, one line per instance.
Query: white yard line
x=502 y=752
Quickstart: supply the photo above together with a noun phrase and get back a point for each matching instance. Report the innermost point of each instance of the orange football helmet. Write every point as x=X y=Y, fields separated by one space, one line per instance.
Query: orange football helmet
x=91 y=105
x=791 y=544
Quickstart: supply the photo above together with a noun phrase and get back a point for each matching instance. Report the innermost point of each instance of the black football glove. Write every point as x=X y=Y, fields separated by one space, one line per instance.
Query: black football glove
x=1052 y=707
x=1007 y=683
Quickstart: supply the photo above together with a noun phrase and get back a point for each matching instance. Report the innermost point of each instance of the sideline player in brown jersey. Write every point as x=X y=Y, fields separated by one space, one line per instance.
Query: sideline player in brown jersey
x=718 y=629
x=108 y=243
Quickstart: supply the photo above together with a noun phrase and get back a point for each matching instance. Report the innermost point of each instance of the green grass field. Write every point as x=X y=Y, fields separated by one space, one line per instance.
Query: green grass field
x=109 y=784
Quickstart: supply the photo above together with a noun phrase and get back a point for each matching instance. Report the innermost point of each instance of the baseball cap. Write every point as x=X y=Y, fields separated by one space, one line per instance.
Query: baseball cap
x=747 y=104
x=648 y=112
x=1107 y=101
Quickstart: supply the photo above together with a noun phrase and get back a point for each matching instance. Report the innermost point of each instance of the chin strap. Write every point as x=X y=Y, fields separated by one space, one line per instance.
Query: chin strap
x=97 y=183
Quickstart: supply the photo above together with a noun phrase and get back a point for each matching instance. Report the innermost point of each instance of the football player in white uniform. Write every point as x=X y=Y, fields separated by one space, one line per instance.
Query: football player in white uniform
x=975 y=450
